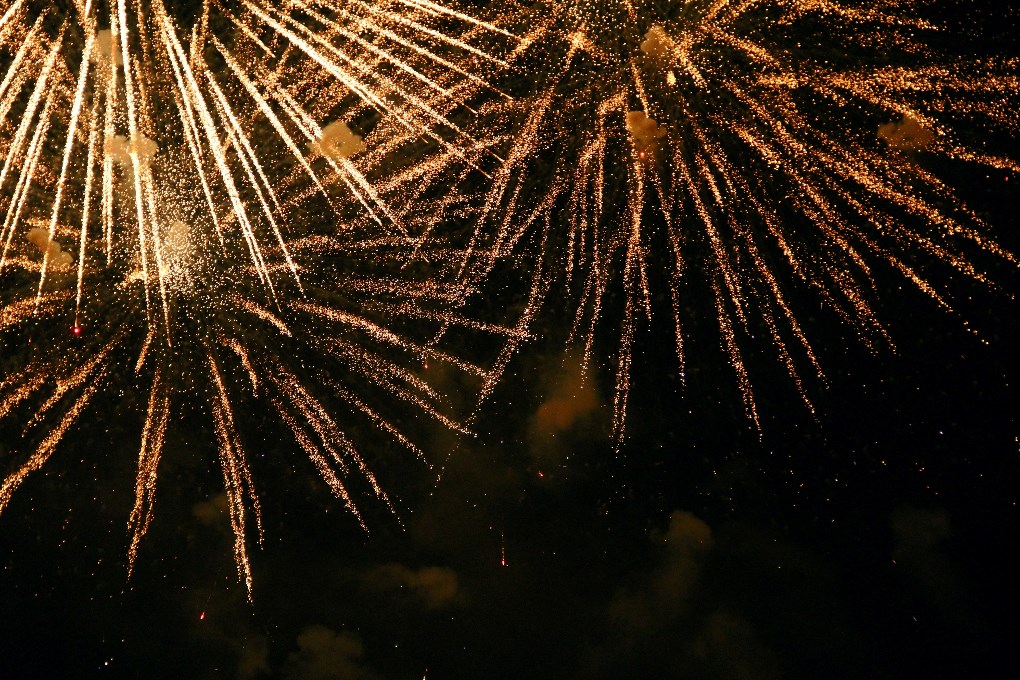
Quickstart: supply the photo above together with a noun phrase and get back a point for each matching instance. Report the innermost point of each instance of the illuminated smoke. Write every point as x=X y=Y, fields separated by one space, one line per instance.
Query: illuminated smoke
x=106 y=52
x=657 y=43
x=40 y=238
x=644 y=132
x=907 y=134
x=337 y=142
x=119 y=149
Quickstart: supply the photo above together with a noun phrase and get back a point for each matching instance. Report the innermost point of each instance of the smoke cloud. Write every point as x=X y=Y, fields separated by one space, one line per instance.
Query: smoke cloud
x=657 y=43
x=119 y=149
x=644 y=131
x=907 y=134
x=324 y=654
x=337 y=141
x=40 y=238
x=436 y=587
x=106 y=51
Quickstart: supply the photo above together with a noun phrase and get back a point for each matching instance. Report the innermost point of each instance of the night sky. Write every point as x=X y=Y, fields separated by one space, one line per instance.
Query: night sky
x=877 y=538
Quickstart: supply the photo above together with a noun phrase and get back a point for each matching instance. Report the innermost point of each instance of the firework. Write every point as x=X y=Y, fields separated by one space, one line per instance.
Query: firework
x=758 y=147
x=172 y=188
x=233 y=85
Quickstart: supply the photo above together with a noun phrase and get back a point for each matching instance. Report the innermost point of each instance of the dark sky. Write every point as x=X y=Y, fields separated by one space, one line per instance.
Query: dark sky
x=878 y=540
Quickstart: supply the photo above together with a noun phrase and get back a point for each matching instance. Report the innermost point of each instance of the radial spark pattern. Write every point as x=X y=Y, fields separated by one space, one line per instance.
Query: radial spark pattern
x=737 y=151
x=171 y=240
x=247 y=91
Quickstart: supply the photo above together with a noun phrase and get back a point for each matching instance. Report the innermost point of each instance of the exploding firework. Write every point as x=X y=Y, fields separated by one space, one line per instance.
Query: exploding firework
x=352 y=347
x=171 y=186
x=759 y=147
x=232 y=86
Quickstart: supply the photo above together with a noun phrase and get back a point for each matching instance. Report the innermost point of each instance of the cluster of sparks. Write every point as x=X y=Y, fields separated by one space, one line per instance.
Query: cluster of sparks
x=167 y=177
x=167 y=182
x=665 y=146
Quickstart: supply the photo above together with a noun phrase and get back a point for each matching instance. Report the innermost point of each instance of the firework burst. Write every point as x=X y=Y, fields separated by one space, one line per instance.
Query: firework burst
x=233 y=86
x=171 y=187
x=760 y=147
